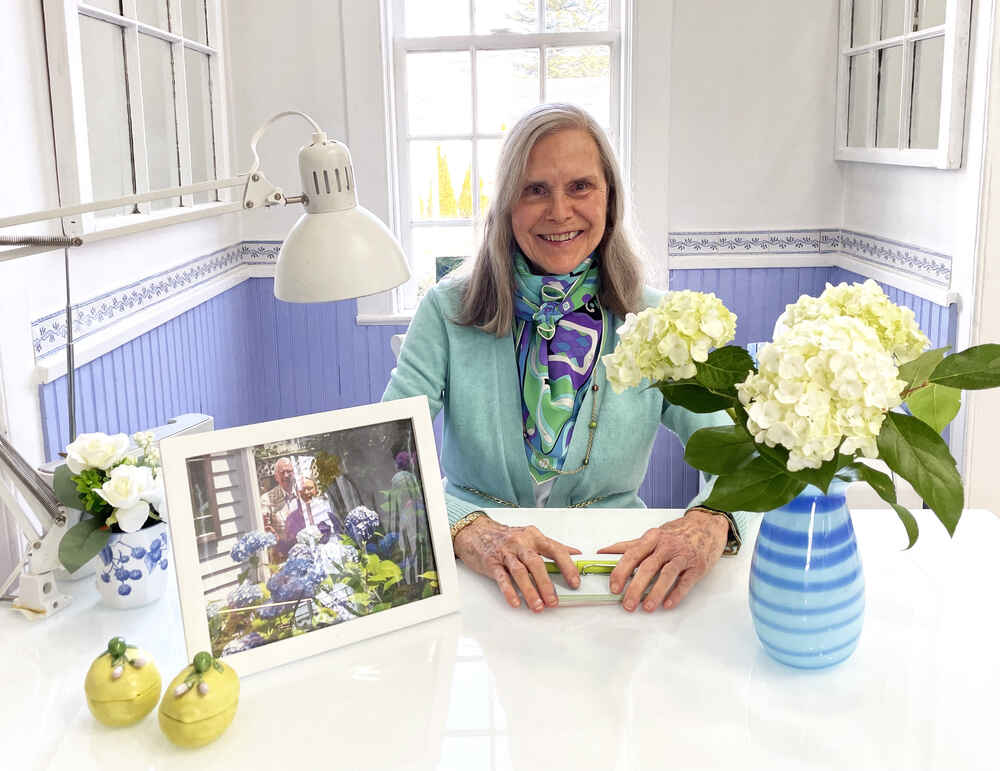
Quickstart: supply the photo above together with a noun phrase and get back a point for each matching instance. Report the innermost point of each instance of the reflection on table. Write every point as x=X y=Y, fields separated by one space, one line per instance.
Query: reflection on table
x=585 y=687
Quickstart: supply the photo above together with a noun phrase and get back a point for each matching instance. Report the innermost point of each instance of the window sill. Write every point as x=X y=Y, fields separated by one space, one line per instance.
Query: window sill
x=384 y=319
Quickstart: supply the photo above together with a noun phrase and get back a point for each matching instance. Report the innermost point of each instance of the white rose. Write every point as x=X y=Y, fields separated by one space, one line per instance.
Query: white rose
x=96 y=451
x=131 y=490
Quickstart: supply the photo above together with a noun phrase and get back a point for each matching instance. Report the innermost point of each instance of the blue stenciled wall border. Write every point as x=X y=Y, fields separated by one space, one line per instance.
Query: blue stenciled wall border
x=48 y=334
x=907 y=259
x=244 y=357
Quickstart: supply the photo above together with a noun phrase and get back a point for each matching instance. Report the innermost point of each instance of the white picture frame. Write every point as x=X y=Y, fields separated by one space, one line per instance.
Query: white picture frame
x=372 y=432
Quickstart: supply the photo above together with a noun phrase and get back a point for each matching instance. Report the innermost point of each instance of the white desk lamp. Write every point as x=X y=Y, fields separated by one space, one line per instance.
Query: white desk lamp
x=336 y=250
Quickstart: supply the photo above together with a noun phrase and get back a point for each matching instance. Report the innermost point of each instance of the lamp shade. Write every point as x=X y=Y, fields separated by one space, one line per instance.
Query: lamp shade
x=337 y=249
x=336 y=255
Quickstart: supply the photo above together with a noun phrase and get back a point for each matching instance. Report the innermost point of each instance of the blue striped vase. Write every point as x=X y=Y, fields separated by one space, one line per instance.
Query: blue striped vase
x=807 y=589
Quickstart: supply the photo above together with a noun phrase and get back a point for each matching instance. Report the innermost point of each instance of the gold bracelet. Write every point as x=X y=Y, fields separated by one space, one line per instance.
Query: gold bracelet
x=733 y=541
x=465 y=521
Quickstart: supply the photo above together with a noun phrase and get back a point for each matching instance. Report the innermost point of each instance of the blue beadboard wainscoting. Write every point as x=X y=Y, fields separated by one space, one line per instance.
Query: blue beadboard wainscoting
x=244 y=357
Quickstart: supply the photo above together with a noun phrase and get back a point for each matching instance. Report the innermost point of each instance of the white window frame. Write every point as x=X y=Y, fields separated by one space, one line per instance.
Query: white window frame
x=617 y=37
x=69 y=116
x=951 y=126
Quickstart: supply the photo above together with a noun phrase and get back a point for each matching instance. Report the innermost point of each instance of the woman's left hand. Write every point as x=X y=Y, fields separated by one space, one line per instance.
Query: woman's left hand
x=670 y=558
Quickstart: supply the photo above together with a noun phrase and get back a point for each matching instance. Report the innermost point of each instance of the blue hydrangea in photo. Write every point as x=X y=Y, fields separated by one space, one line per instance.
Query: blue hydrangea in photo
x=250 y=544
x=244 y=643
x=245 y=594
x=361 y=524
x=384 y=546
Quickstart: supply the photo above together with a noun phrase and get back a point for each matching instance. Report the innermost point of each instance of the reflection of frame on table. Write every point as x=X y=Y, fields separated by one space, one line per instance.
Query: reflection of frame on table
x=204 y=534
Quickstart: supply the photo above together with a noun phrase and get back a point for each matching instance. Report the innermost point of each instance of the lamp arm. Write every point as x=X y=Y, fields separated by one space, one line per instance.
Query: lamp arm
x=259 y=190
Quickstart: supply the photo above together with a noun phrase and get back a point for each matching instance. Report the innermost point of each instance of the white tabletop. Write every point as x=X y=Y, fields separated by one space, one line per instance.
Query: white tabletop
x=576 y=688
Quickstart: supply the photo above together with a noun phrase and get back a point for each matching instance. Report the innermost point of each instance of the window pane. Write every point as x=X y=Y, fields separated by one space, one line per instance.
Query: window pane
x=892 y=18
x=195 y=21
x=441 y=180
x=580 y=75
x=114 y=6
x=487 y=152
x=507 y=86
x=431 y=18
x=108 y=129
x=862 y=31
x=156 y=62
x=152 y=12
x=199 y=94
x=439 y=93
x=930 y=13
x=506 y=16
x=890 y=78
x=860 y=100
x=430 y=243
x=575 y=15
x=925 y=111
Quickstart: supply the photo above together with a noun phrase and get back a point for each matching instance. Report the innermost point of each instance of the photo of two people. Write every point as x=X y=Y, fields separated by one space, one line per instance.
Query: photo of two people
x=308 y=532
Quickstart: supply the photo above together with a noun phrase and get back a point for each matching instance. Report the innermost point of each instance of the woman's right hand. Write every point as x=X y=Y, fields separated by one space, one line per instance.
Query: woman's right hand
x=513 y=555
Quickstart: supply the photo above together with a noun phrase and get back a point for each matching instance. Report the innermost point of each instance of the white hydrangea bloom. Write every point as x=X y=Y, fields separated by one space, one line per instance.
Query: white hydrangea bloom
x=896 y=327
x=821 y=381
x=663 y=343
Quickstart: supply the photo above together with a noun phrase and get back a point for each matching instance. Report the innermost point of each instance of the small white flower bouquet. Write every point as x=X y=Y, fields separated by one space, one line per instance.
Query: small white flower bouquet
x=119 y=492
x=822 y=394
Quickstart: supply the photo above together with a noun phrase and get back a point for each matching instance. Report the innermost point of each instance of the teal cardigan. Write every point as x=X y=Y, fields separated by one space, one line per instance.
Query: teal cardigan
x=473 y=376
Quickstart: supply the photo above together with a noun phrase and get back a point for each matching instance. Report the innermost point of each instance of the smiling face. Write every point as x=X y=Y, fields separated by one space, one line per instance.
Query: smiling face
x=558 y=218
x=284 y=474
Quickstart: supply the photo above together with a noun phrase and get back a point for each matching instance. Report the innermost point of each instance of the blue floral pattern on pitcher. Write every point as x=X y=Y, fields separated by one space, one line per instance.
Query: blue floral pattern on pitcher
x=123 y=562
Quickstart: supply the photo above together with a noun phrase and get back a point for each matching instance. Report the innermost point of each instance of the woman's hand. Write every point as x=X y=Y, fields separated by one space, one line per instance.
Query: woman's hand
x=513 y=555
x=671 y=559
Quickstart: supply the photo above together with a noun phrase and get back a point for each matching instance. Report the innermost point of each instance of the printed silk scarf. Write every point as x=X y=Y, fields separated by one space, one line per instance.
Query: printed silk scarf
x=557 y=338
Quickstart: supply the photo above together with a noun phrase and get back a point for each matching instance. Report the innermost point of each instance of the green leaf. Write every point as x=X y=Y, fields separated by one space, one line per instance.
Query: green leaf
x=81 y=543
x=822 y=476
x=695 y=397
x=906 y=517
x=758 y=486
x=386 y=571
x=64 y=487
x=724 y=368
x=916 y=372
x=883 y=485
x=430 y=575
x=719 y=450
x=972 y=369
x=936 y=405
x=914 y=450
x=382 y=606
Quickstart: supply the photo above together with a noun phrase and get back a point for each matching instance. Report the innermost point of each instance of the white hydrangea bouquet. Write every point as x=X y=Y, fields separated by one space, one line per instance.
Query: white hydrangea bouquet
x=847 y=376
x=121 y=492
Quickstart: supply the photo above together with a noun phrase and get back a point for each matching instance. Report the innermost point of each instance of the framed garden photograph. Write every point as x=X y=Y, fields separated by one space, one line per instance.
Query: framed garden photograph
x=297 y=536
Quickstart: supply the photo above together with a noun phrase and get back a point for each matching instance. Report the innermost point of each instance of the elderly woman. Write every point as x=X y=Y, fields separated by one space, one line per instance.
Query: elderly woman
x=512 y=353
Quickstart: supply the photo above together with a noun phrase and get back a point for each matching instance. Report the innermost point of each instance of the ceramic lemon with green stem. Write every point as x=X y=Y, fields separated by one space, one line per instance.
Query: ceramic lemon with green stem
x=122 y=685
x=200 y=703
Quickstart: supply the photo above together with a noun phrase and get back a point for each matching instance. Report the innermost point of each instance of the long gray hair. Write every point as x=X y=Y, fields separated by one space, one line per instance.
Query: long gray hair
x=488 y=293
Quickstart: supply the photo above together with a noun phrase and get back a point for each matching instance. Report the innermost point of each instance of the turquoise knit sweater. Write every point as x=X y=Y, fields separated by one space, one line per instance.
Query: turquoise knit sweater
x=473 y=376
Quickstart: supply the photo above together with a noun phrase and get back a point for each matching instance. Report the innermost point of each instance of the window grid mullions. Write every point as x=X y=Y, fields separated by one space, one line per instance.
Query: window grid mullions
x=138 y=150
x=473 y=43
x=94 y=12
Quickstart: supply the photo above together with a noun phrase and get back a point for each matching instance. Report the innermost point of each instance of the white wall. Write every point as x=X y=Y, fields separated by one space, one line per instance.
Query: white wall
x=752 y=106
x=322 y=57
x=983 y=408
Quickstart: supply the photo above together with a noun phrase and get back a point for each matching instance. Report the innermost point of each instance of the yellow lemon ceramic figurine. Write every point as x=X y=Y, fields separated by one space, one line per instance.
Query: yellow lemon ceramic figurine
x=200 y=702
x=122 y=685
